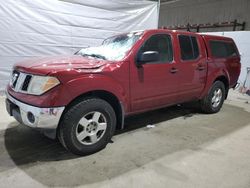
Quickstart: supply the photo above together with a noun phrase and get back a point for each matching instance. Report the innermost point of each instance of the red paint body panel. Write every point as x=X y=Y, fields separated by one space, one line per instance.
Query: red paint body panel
x=137 y=88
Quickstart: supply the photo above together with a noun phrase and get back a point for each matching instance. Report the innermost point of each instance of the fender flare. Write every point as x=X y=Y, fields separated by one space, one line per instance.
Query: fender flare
x=216 y=76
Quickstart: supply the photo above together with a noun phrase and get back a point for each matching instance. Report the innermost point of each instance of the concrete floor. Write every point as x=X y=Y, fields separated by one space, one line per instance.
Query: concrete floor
x=185 y=149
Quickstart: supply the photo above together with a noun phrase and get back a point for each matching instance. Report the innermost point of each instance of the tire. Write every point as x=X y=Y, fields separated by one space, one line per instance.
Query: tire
x=87 y=127
x=213 y=102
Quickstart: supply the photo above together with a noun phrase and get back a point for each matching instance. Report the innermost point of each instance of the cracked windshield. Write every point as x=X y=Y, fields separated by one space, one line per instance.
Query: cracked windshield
x=113 y=48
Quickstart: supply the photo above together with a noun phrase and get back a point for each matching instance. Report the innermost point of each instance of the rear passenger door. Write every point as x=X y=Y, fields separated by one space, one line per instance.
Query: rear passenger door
x=192 y=66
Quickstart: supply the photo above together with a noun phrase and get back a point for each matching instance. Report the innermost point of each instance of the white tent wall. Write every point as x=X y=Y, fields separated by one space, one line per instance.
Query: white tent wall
x=242 y=40
x=52 y=27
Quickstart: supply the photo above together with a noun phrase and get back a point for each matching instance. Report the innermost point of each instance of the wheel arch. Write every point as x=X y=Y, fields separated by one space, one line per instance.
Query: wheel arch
x=105 y=95
x=225 y=81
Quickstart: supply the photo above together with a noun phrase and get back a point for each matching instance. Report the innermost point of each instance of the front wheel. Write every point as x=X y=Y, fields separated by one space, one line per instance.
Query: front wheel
x=87 y=127
x=213 y=102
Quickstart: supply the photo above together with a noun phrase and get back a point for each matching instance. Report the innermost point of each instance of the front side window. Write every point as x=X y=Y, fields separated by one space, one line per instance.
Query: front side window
x=160 y=43
x=221 y=49
x=189 y=47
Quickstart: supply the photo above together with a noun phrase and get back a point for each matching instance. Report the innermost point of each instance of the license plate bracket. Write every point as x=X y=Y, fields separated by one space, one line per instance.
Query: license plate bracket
x=8 y=106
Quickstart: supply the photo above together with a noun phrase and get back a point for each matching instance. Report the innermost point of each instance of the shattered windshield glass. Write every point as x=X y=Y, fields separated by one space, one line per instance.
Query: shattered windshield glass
x=113 y=48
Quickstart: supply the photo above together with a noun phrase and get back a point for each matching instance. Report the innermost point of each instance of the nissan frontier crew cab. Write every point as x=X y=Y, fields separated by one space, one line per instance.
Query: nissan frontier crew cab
x=82 y=99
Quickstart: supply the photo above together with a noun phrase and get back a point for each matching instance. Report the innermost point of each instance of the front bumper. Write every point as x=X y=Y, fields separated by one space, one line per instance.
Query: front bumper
x=35 y=117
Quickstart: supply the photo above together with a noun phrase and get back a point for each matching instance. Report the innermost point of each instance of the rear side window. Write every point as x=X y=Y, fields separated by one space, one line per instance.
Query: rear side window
x=160 y=43
x=221 y=49
x=189 y=47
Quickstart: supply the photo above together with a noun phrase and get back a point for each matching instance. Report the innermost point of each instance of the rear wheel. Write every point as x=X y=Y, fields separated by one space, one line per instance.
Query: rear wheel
x=213 y=102
x=88 y=126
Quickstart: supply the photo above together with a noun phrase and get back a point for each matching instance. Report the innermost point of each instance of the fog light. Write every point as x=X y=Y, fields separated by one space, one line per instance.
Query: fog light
x=31 y=117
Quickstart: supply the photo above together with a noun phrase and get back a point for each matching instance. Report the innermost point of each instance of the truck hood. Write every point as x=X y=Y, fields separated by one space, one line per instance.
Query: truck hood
x=46 y=65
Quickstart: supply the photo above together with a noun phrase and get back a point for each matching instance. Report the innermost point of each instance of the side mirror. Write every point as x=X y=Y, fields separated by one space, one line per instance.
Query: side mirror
x=148 y=56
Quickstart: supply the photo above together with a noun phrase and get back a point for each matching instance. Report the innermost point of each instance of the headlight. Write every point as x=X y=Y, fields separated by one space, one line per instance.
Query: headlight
x=40 y=84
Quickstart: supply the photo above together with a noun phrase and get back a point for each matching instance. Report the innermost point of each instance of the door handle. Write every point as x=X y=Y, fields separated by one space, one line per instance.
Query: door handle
x=200 y=68
x=173 y=70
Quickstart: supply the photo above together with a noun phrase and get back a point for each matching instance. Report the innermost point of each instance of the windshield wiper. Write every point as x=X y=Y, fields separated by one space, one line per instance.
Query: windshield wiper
x=95 y=55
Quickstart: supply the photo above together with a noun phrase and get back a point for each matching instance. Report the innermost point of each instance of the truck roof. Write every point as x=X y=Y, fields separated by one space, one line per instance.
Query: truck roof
x=207 y=36
x=215 y=37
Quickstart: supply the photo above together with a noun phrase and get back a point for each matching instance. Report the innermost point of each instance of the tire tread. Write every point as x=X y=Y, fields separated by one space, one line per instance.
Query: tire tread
x=67 y=122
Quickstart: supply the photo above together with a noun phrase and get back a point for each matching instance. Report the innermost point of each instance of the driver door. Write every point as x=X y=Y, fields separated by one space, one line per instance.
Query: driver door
x=154 y=84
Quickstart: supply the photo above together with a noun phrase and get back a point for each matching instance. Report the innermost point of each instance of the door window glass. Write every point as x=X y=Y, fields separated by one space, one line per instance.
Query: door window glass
x=160 y=43
x=189 y=47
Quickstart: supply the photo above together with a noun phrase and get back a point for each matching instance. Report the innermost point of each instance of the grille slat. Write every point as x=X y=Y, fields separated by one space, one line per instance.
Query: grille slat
x=20 y=81
x=26 y=83
x=15 y=76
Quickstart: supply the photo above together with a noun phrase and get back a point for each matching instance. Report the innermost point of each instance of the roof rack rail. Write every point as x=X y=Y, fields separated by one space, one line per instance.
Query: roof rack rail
x=197 y=27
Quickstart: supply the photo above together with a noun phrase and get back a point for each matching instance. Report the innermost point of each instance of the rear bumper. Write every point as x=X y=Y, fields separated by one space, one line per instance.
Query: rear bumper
x=35 y=117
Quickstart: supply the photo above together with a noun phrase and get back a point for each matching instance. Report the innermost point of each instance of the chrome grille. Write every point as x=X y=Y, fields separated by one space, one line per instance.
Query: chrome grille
x=14 y=78
x=26 y=83
x=20 y=81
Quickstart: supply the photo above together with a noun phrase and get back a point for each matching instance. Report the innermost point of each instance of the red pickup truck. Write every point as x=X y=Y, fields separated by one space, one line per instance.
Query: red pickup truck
x=82 y=99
